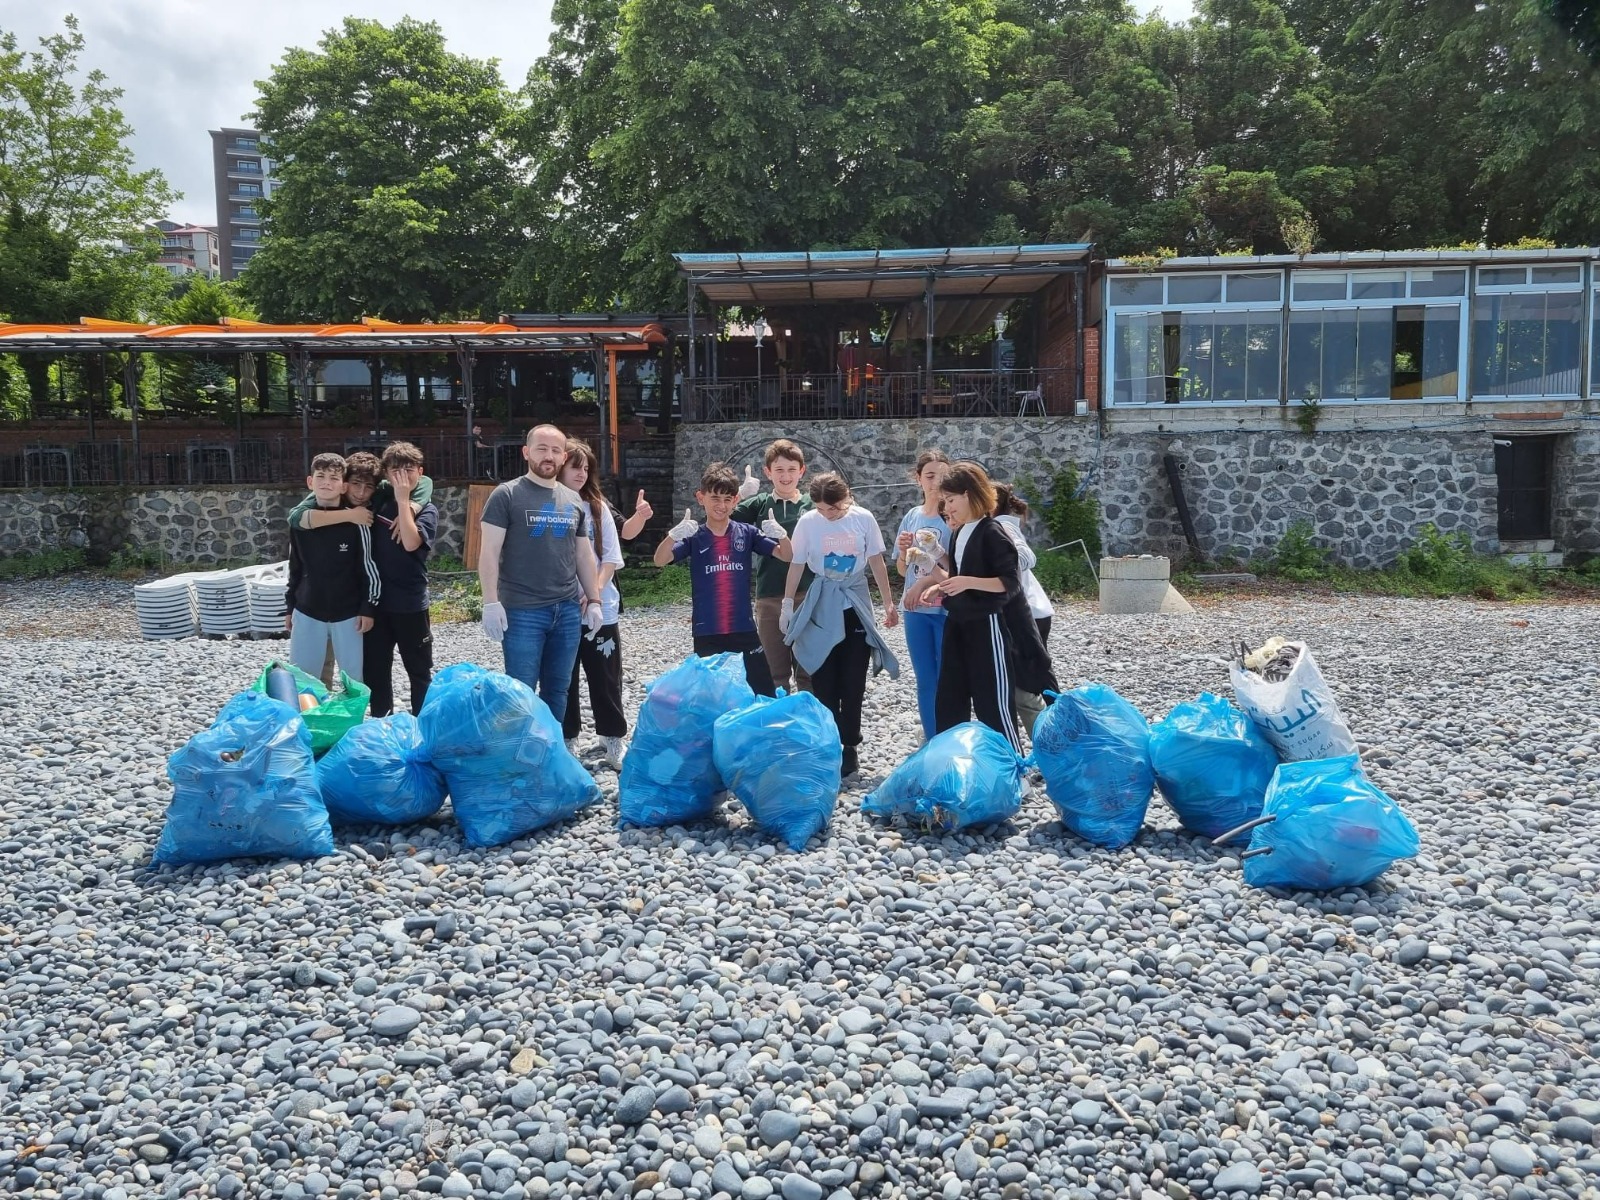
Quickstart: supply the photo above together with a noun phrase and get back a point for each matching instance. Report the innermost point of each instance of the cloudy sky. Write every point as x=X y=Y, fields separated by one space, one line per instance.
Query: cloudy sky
x=188 y=66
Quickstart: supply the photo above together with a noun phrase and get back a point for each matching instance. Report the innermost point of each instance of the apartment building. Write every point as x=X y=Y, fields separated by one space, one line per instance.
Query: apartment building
x=187 y=249
x=243 y=176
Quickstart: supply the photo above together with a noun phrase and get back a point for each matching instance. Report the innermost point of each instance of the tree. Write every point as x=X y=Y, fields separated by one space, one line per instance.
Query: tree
x=395 y=178
x=1142 y=134
x=1581 y=19
x=198 y=300
x=71 y=202
x=664 y=125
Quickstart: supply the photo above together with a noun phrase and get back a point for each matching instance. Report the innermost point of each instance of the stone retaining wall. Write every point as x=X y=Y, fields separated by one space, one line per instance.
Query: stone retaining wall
x=187 y=525
x=1366 y=493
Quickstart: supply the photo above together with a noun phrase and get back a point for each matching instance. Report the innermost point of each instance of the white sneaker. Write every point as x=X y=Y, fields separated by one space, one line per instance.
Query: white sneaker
x=614 y=750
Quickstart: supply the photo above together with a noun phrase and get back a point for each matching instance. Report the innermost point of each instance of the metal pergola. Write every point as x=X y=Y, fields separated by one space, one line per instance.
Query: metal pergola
x=946 y=291
x=303 y=345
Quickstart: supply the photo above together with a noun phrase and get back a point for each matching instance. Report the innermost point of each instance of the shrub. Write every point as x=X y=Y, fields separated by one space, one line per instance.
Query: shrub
x=1297 y=556
x=42 y=564
x=1064 y=574
x=1067 y=516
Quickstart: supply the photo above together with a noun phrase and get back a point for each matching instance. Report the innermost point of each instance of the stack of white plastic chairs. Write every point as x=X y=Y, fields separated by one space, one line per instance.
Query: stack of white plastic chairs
x=245 y=600
x=267 y=587
x=166 y=607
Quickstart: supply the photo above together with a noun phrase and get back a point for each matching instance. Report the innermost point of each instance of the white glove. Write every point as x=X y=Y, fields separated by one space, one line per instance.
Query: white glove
x=770 y=528
x=785 y=616
x=494 y=620
x=684 y=529
x=750 y=486
x=592 y=618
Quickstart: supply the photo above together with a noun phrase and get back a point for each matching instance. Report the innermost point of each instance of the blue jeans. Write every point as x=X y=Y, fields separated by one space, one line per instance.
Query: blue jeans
x=540 y=646
x=925 y=640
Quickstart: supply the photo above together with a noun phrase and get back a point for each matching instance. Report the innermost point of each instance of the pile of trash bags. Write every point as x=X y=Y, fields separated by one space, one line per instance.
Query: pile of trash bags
x=328 y=715
x=1212 y=765
x=669 y=775
x=968 y=775
x=501 y=752
x=1325 y=825
x=1093 y=749
x=381 y=773
x=782 y=759
x=245 y=787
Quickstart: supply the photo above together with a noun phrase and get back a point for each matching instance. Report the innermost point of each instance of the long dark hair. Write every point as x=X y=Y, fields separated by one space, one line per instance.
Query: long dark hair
x=590 y=491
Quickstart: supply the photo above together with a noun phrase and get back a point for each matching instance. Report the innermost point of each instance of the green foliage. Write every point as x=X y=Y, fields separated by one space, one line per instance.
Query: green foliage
x=395 y=178
x=1307 y=415
x=1061 y=573
x=1297 y=555
x=652 y=586
x=657 y=126
x=130 y=559
x=1066 y=515
x=1443 y=564
x=43 y=564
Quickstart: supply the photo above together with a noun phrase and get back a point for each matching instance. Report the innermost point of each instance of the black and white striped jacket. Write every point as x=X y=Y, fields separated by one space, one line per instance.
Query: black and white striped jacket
x=331 y=573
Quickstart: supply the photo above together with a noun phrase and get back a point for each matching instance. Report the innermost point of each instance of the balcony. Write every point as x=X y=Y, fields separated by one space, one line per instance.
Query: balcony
x=245 y=167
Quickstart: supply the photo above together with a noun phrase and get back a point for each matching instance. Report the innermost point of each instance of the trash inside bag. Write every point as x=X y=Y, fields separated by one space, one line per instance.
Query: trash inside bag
x=501 y=754
x=380 y=773
x=1093 y=749
x=328 y=715
x=782 y=757
x=1212 y=764
x=1326 y=825
x=669 y=775
x=1282 y=690
x=245 y=788
x=968 y=775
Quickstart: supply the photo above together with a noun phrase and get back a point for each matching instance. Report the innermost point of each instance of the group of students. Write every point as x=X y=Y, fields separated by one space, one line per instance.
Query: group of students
x=779 y=576
x=977 y=622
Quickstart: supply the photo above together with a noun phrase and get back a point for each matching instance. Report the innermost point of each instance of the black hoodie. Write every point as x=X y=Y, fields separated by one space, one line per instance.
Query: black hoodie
x=331 y=573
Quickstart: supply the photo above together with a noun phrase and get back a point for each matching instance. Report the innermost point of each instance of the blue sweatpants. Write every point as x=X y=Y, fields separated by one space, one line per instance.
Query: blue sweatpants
x=924 y=639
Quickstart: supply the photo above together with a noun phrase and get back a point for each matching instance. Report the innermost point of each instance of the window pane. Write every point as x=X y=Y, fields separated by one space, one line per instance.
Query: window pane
x=1502 y=276
x=1197 y=350
x=1136 y=292
x=1320 y=285
x=1194 y=289
x=1374 y=352
x=1140 y=378
x=1262 y=341
x=1305 y=355
x=1257 y=285
x=1439 y=283
x=1572 y=274
x=1377 y=285
x=1562 y=343
x=1526 y=345
x=1231 y=356
x=1427 y=340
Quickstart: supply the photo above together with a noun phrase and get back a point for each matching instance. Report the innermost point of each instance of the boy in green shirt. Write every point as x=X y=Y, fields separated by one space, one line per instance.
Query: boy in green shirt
x=783 y=464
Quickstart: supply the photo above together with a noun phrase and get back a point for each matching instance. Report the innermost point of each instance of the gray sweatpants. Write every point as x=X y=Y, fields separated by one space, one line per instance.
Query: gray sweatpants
x=309 y=640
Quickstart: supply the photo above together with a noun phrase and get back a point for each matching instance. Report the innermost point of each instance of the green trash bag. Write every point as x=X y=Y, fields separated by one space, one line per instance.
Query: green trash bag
x=335 y=714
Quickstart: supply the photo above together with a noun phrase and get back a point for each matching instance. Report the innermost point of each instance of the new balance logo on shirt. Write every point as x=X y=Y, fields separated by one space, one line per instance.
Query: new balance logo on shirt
x=559 y=521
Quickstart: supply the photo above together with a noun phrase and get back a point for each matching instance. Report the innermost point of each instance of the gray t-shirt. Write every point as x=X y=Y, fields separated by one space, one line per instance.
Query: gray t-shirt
x=544 y=525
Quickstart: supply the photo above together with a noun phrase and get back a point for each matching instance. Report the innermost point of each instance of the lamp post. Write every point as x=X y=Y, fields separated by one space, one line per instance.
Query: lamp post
x=761 y=329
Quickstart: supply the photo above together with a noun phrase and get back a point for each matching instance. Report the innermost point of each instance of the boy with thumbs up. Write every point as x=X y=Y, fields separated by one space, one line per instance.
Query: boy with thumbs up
x=784 y=464
x=721 y=555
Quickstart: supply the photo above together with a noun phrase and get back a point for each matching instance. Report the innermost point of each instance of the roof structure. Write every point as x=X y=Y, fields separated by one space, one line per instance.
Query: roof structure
x=1354 y=258
x=968 y=284
x=369 y=336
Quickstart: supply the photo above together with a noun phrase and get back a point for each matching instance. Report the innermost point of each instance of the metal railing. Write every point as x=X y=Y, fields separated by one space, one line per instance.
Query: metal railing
x=886 y=395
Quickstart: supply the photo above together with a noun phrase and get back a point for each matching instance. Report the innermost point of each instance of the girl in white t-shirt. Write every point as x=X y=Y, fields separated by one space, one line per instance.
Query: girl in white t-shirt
x=599 y=653
x=834 y=634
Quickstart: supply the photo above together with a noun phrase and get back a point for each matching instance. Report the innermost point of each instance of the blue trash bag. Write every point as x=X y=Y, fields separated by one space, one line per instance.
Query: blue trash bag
x=379 y=773
x=1093 y=749
x=782 y=758
x=669 y=776
x=1213 y=765
x=1330 y=827
x=245 y=788
x=968 y=775
x=501 y=754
